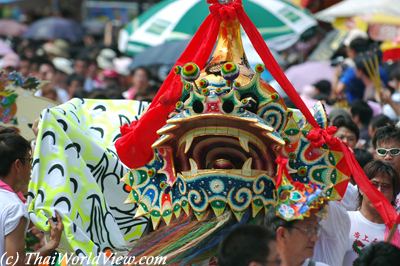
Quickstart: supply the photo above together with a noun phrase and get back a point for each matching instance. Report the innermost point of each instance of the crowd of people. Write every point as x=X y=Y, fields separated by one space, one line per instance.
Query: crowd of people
x=86 y=70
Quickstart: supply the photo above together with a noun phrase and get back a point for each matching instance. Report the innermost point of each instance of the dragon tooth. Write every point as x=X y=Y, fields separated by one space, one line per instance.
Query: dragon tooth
x=193 y=166
x=246 y=168
x=244 y=143
x=188 y=142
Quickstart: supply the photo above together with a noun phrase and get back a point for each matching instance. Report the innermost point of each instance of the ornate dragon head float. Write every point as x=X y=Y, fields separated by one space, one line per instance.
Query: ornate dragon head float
x=229 y=148
x=219 y=148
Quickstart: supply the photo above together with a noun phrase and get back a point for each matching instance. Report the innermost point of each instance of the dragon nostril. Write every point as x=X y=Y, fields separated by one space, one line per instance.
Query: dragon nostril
x=228 y=107
x=198 y=107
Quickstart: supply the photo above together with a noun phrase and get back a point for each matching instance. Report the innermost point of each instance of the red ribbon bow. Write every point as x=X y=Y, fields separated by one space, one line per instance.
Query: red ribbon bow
x=321 y=136
x=225 y=12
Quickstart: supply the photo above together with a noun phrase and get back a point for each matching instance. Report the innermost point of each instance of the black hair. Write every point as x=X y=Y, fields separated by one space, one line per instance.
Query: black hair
x=362 y=156
x=342 y=121
x=4 y=130
x=395 y=73
x=45 y=61
x=245 y=244
x=376 y=167
x=336 y=112
x=12 y=147
x=359 y=61
x=378 y=254
x=323 y=86
x=24 y=58
x=108 y=93
x=386 y=133
x=145 y=69
x=73 y=77
x=380 y=121
x=359 y=45
x=363 y=110
x=82 y=57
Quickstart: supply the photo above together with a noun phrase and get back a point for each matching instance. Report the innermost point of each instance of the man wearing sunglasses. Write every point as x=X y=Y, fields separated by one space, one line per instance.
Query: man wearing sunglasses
x=386 y=143
x=15 y=172
x=391 y=153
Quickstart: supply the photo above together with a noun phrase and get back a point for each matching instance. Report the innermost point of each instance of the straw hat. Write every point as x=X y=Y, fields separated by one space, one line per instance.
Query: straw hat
x=63 y=64
x=57 y=48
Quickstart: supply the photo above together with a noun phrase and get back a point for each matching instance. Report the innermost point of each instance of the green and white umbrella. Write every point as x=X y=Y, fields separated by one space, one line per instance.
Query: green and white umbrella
x=280 y=23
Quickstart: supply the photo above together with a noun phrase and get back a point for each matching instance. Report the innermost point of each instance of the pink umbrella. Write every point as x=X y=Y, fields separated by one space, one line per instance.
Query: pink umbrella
x=309 y=73
x=10 y=27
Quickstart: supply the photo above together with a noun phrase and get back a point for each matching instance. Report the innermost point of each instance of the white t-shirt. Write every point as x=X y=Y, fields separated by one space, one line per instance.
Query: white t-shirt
x=362 y=233
x=332 y=243
x=11 y=211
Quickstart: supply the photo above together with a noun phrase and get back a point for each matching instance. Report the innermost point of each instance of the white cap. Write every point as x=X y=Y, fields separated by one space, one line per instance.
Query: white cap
x=354 y=34
x=105 y=58
x=121 y=65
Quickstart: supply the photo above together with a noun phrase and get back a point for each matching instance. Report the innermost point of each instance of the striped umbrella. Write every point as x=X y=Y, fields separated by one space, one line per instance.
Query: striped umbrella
x=280 y=23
